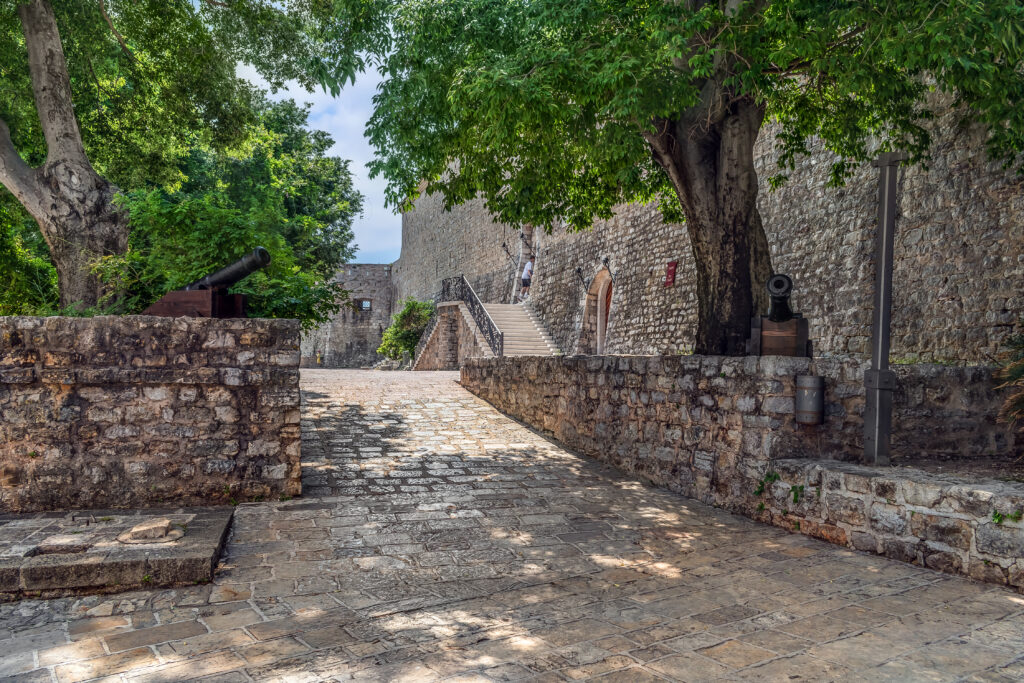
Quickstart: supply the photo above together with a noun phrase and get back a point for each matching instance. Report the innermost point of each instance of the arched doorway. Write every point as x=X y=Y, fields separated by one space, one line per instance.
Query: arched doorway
x=604 y=305
x=596 y=314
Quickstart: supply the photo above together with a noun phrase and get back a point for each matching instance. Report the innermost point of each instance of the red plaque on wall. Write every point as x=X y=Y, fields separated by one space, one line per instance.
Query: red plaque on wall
x=670 y=274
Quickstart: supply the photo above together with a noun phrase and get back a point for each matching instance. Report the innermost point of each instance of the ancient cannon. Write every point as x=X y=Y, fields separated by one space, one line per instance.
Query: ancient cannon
x=207 y=297
x=782 y=332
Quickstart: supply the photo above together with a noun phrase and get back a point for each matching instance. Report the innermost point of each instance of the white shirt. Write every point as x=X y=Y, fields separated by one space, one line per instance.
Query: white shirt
x=528 y=270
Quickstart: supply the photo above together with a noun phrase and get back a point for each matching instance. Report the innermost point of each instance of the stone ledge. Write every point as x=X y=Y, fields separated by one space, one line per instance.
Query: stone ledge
x=205 y=374
x=55 y=554
x=937 y=521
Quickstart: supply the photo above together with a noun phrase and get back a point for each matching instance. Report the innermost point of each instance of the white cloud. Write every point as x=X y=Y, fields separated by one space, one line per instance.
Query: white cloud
x=379 y=232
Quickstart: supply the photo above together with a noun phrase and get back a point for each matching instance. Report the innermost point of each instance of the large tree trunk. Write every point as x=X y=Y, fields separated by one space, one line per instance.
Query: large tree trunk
x=711 y=167
x=71 y=202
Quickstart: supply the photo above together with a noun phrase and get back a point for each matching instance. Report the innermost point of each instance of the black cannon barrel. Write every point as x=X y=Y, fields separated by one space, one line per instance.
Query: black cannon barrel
x=779 y=288
x=229 y=275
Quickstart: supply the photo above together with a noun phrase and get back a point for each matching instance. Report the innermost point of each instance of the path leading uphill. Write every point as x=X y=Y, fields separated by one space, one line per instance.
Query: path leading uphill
x=439 y=540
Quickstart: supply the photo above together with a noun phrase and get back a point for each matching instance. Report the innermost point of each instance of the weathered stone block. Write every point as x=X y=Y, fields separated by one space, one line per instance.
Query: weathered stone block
x=968 y=499
x=989 y=572
x=780 y=405
x=1015 y=574
x=887 y=519
x=885 y=489
x=857 y=483
x=955 y=533
x=899 y=550
x=924 y=494
x=1000 y=539
x=864 y=541
x=826 y=532
x=841 y=508
x=949 y=563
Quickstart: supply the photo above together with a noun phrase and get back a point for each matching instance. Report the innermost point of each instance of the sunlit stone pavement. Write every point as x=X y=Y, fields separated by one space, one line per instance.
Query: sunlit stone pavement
x=439 y=540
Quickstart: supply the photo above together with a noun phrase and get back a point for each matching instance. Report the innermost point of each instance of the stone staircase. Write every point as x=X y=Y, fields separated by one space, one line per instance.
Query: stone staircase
x=523 y=332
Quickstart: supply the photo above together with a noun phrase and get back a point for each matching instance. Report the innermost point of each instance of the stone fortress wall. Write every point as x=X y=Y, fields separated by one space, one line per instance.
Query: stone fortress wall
x=351 y=339
x=959 y=260
x=437 y=244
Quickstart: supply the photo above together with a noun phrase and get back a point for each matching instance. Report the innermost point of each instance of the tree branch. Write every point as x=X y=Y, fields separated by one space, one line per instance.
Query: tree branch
x=120 y=38
x=15 y=174
x=50 y=83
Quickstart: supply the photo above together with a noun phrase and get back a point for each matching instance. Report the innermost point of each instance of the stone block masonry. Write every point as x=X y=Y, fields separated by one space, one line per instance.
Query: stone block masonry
x=351 y=338
x=722 y=430
x=958 y=269
x=138 y=411
x=955 y=526
x=50 y=555
x=454 y=339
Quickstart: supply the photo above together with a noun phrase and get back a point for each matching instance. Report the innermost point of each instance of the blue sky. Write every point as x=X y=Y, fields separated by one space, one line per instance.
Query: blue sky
x=379 y=231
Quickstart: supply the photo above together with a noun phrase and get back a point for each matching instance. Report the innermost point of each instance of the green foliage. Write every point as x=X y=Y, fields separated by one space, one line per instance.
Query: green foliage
x=209 y=168
x=796 y=492
x=999 y=517
x=172 y=84
x=1012 y=375
x=406 y=328
x=767 y=479
x=283 y=193
x=30 y=282
x=541 y=106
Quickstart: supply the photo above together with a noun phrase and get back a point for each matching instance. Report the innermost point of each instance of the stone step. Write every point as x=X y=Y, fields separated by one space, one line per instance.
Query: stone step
x=522 y=335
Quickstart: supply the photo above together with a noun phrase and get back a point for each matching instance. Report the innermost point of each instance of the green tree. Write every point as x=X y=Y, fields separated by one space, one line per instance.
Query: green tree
x=281 y=191
x=30 y=283
x=556 y=111
x=99 y=92
x=406 y=328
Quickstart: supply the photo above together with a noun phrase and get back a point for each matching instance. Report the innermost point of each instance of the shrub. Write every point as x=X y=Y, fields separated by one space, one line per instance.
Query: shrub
x=406 y=328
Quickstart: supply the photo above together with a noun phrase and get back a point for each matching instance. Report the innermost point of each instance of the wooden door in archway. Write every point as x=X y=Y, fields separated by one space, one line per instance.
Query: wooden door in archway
x=604 y=305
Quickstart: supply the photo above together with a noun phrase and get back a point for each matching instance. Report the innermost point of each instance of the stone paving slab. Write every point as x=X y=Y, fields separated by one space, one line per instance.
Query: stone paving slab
x=61 y=553
x=439 y=540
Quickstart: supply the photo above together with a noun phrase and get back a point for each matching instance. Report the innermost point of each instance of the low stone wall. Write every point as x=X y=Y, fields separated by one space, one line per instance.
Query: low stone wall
x=942 y=522
x=139 y=411
x=714 y=428
x=453 y=340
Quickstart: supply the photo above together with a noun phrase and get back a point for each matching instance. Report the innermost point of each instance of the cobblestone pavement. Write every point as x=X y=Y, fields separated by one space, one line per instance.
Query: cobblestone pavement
x=440 y=540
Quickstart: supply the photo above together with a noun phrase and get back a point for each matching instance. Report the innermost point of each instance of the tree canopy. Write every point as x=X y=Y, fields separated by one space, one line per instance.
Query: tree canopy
x=543 y=106
x=208 y=167
x=100 y=96
x=281 y=192
x=554 y=112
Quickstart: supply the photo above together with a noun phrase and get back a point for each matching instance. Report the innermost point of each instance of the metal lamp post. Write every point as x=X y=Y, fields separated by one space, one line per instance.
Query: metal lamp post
x=880 y=381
